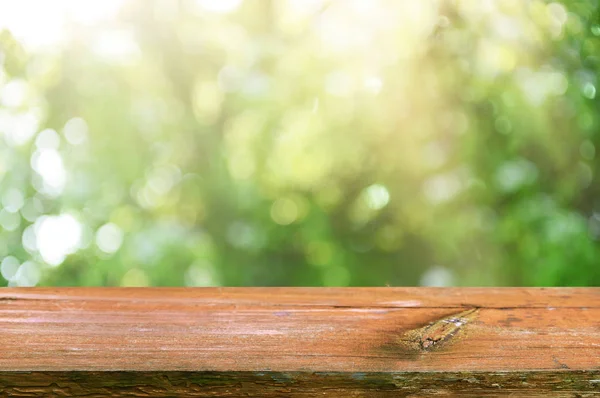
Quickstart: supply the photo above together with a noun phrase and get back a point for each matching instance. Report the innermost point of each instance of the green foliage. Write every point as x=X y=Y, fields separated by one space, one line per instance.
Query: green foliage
x=301 y=143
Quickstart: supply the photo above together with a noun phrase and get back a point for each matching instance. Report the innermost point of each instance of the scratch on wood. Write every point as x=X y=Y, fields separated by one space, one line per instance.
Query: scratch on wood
x=437 y=333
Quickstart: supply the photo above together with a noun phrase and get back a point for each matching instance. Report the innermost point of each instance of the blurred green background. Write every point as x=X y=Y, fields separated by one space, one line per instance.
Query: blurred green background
x=299 y=142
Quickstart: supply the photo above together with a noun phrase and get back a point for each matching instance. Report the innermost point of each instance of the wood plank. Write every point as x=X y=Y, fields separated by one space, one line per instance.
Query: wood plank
x=346 y=340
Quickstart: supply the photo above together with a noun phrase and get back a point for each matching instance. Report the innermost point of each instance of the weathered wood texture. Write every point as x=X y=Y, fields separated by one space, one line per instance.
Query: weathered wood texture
x=299 y=342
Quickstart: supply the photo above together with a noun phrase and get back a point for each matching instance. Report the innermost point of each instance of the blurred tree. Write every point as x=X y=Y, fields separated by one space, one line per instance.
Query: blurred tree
x=221 y=142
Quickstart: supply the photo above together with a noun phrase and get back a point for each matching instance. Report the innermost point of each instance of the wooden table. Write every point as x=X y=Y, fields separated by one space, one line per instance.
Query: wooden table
x=148 y=342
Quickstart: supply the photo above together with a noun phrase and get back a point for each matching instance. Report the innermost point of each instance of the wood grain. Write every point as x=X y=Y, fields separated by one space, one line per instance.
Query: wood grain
x=299 y=341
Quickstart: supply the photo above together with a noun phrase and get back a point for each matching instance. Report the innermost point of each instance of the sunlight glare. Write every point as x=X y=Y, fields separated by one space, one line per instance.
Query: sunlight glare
x=40 y=24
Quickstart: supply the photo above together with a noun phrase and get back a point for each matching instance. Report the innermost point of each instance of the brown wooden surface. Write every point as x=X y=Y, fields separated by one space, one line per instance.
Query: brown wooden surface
x=342 y=340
